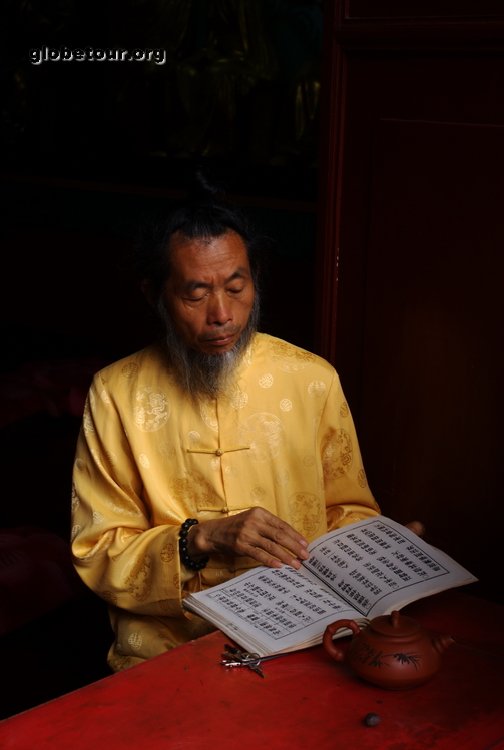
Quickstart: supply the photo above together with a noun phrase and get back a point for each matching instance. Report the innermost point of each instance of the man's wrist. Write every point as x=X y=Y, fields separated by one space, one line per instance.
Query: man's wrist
x=194 y=538
x=192 y=561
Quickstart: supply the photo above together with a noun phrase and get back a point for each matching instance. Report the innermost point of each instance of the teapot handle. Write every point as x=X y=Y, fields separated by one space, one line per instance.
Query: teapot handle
x=337 y=653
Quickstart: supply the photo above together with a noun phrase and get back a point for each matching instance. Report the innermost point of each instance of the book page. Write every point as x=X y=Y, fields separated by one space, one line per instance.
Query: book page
x=356 y=573
x=271 y=610
x=378 y=565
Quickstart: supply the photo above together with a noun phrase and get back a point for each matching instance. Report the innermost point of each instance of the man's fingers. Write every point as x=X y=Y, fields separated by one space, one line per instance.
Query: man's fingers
x=417 y=527
x=272 y=556
x=289 y=539
x=284 y=553
x=256 y=533
x=259 y=528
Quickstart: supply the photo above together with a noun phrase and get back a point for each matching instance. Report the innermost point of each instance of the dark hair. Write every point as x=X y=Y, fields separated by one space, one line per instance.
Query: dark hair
x=205 y=214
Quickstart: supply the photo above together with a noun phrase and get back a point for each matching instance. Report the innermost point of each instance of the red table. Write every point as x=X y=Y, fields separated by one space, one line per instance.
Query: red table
x=185 y=699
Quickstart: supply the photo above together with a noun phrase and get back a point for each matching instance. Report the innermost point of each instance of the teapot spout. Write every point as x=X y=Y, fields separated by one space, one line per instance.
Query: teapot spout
x=442 y=642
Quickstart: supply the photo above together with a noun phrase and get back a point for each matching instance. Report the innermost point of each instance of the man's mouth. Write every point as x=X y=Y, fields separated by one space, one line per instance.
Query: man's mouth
x=220 y=341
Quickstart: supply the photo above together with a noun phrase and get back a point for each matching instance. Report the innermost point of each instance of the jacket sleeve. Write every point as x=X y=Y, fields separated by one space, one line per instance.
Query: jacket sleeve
x=116 y=551
x=348 y=496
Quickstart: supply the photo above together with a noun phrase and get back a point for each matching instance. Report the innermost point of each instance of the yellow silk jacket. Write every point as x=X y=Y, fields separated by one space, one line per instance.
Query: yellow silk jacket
x=148 y=457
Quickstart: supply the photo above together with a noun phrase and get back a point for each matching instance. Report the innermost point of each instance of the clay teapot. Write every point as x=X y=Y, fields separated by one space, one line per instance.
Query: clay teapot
x=392 y=651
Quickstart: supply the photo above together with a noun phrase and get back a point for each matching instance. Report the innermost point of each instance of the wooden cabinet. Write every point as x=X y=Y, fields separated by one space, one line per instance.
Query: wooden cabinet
x=411 y=259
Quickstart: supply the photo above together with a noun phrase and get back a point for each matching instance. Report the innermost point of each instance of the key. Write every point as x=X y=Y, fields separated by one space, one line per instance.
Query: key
x=256 y=668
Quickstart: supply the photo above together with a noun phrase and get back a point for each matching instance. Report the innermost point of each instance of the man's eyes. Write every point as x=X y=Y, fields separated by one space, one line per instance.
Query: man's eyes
x=198 y=296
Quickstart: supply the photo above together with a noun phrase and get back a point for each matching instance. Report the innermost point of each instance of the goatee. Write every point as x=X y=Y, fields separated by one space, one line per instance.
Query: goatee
x=200 y=374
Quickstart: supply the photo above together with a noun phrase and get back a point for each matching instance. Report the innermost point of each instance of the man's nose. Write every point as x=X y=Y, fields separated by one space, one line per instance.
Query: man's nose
x=219 y=309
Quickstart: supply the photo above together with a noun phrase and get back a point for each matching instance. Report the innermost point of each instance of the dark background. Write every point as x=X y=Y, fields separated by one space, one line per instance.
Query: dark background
x=90 y=148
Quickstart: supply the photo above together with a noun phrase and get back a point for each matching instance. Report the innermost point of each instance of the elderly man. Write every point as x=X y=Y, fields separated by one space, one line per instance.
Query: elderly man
x=213 y=450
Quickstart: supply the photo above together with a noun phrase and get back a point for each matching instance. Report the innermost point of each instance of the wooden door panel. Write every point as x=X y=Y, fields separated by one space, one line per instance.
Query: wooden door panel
x=431 y=404
x=410 y=268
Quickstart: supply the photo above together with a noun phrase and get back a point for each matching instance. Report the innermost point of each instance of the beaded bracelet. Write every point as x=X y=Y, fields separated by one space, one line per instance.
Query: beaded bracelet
x=185 y=558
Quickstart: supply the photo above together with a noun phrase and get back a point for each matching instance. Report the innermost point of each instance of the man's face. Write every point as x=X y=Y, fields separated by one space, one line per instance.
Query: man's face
x=210 y=292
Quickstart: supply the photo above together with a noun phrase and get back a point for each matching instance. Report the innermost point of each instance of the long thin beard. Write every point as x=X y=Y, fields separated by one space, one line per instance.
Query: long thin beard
x=200 y=374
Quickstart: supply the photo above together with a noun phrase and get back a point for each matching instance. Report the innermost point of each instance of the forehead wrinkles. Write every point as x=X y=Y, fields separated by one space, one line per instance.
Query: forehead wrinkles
x=179 y=240
x=200 y=259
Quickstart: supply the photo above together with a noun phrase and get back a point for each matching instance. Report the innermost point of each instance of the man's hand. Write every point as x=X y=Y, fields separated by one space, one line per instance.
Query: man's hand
x=416 y=527
x=255 y=533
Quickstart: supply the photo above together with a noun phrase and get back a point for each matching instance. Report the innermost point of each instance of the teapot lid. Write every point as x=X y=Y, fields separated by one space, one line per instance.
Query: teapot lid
x=395 y=624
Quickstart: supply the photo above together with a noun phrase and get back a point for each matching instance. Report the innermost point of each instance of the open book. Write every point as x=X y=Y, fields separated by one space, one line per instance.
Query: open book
x=366 y=569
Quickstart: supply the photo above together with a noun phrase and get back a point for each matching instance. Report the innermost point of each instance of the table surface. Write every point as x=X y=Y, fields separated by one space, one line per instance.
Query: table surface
x=186 y=699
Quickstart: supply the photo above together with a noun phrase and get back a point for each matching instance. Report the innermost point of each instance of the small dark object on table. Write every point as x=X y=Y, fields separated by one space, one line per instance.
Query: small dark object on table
x=372 y=719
